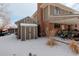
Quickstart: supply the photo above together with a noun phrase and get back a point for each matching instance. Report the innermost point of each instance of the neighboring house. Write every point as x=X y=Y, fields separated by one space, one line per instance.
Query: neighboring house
x=27 y=28
x=57 y=15
x=10 y=28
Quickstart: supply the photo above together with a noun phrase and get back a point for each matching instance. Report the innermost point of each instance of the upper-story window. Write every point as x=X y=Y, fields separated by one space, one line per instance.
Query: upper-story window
x=56 y=11
x=75 y=25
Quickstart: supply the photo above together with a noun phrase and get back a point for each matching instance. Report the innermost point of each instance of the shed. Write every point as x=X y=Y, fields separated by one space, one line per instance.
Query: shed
x=25 y=26
x=28 y=31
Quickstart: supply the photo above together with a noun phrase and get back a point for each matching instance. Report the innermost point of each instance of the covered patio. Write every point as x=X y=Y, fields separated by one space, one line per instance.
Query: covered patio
x=68 y=25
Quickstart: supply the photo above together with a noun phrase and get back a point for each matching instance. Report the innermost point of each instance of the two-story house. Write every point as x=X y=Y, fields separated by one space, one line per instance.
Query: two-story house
x=57 y=15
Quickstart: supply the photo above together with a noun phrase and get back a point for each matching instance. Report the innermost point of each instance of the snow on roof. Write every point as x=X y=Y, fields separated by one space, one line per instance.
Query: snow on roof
x=76 y=12
x=24 y=24
x=11 y=26
x=14 y=26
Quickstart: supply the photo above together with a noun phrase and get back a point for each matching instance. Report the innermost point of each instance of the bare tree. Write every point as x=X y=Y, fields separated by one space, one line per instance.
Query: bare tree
x=4 y=17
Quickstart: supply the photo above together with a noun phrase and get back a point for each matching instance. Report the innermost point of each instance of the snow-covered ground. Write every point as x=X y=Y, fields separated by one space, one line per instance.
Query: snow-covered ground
x=9 y=46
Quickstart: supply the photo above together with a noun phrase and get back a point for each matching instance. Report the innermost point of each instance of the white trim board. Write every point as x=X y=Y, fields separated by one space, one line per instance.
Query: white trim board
x=31 y=25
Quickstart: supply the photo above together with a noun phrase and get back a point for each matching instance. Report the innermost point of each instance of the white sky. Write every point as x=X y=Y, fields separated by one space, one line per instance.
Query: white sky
x=21 y=10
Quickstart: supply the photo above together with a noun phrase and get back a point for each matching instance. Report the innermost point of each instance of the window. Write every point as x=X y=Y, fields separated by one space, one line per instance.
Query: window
x=75 y=25
x=56 y=11
x=56 y=25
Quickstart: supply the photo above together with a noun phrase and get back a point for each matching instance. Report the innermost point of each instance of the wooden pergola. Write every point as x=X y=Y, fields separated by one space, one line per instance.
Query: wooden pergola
x=65 y=19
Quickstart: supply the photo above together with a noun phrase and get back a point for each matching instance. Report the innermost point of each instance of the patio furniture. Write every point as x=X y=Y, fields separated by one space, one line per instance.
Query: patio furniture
x=65 y=34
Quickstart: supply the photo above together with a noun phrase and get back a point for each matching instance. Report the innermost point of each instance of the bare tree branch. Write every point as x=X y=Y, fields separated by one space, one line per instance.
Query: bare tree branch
x=4 y=17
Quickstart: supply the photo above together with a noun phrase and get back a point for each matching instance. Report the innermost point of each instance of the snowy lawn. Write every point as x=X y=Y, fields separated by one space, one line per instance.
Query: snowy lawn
x=9 y=46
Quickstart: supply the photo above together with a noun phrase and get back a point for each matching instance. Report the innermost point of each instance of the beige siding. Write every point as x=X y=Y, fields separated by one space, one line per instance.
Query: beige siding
x=46 y=13
x=35 y=19
x=23 y=33
x=28 y=32
x=51 y=10
x=18 y=32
